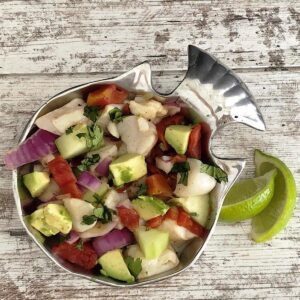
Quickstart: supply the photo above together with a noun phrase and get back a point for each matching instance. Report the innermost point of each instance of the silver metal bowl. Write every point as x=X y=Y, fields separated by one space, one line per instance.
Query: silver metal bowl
x=213 y=92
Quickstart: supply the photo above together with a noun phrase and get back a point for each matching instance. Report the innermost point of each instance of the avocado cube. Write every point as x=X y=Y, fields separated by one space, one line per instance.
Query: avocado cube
x=57 y=216
x=149 y=207
x=36 y=182
x=177 y=136
x=152 y=242
x=127 y=168
x=197 y=206
x=36 y=233
x=37 y=221
x=113 y=265
x=71 y=145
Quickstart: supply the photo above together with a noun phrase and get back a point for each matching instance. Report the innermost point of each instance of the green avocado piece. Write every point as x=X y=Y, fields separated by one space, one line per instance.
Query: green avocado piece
x=89 y=195
x=36 y=233
x=36 y=182
x=149 y=207
x=57 y=216
x=70 y=145
x=127 y=168
x=178 y=137
x=152 y=242
x=37 y=221
x=197 y=206
x=113 y=265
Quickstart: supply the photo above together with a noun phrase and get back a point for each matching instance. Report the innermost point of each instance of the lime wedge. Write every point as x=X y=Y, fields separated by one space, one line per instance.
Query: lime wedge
x=277 y=214
x=248 y=197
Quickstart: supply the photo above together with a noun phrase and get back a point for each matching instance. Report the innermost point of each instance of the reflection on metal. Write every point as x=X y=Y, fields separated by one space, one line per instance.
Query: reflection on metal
x=215 y=93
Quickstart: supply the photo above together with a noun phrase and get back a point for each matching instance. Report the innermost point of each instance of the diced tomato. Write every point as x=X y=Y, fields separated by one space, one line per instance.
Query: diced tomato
x=164 y=123
x=64 y=176
x=178 y=158
x=172 y=213
x=183 y=219
x=129 y=217
x=172 y=180
x=107 y=94
x=85 y=257
x=72 y=189
x=158 y=186
x=125 y=109
x=151 y=164
x=61 y=171
x=205 y=136
x=154 y=222
x=194 y=146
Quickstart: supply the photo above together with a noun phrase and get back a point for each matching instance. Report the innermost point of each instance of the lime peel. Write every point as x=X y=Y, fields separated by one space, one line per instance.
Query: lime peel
x=277 y=214
x=248 y=197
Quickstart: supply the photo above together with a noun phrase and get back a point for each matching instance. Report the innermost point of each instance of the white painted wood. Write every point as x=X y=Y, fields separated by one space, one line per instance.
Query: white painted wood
x=94 y=36
x=68 y=38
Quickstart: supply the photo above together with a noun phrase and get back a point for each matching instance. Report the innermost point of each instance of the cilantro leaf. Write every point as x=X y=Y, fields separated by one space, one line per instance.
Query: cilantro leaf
x=88 y=161
x=98 y=212
x=215 y=172
x=142 y=189
x=91 y=112
x=193 y=214
x=81 y=134
x=88 y=220
x=79 y=246
x=116 y=115
x=69 y=130
x=95 y=137
x=134 y=265
x=182 y=168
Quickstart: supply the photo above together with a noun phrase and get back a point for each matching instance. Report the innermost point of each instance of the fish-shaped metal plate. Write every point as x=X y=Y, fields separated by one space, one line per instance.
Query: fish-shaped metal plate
x=213 y=92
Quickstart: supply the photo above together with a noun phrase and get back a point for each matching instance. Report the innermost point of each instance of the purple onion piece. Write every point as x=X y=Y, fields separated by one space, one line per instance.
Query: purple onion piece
x=116 y=239
x=89 y=181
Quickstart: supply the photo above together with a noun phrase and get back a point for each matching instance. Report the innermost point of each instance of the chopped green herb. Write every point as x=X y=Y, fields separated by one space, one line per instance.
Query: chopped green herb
x=88 y=161
x=215 y=172
x=95 y=137
x=79 y=246
x=98 y=212
x=134 y=265
x=97 y=198
x=69 y=130
x=142 y=189
x=182 y=168
x=88 y=220
x=116 y=115
x=193 y=214
x=81 y=134
x=101 y=213
x=91 y=112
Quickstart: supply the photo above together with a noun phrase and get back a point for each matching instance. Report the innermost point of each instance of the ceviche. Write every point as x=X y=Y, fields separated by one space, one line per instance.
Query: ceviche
x=117 y=182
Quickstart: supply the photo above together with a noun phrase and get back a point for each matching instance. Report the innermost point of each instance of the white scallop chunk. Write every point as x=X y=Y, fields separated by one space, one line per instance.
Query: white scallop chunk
x=198 y=183
x=166 y=261
x=77 y=209
x=137 y=141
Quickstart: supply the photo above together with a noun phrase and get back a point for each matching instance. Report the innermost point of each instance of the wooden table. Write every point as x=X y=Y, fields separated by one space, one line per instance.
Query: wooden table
x=48 y=46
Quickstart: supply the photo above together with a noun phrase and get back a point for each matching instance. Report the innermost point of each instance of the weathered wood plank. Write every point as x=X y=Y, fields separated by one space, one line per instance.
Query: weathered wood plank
x=98 y=36
x=231 y=267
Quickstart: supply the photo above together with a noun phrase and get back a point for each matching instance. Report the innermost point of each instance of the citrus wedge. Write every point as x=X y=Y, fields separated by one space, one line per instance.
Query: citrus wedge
x=277 y=214
x=248 y=197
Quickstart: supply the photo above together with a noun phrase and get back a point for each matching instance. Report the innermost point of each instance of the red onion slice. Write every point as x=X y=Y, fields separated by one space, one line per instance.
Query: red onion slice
x=89 y=181
x=116 y=239
x=40 y=144
x=103 y=167
x=73 y=237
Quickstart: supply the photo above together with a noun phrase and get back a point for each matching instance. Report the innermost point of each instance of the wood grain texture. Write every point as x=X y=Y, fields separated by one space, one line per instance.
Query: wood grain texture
x=81 y=41
x=98 y=36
